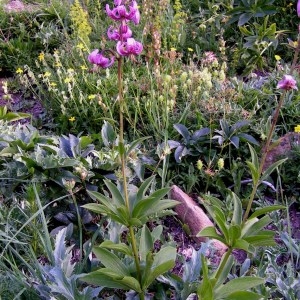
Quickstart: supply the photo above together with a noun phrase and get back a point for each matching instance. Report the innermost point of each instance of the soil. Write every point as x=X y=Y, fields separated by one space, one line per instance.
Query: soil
x=18 y=103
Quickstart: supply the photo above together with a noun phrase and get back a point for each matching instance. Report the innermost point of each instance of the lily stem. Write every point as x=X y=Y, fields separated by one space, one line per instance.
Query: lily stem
x=123 y=167
x=264 y=156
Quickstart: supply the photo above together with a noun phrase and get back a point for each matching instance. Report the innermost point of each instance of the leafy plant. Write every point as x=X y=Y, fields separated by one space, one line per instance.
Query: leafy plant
x=192 y=144
x=233 y=134
x=245 y=10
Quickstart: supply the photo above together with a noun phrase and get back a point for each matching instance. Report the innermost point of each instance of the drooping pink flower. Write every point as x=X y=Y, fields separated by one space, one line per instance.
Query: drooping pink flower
x=121 y=34
x=120 y=13
x=287 y=83
x=136 y=18
x=131 y=46
x=298 y=8
x=100 y=60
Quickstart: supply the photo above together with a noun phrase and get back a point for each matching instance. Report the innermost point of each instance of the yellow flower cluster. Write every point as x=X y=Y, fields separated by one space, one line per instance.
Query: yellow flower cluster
x=178 y=21
x=79 y=18
x=297 y=129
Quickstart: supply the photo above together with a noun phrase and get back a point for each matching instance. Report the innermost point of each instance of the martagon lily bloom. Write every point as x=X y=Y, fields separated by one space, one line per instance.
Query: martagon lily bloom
x=117 y=34
x=120 y=13
x=298 y=8
x=287 y=83
x=131 y=46
x=100 y=60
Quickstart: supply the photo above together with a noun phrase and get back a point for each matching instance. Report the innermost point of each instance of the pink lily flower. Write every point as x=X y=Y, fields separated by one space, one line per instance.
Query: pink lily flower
x=120 y=13
x=100 y=60
x=118 y=35
x=131 y=46
x=298 y=8
x=287 y=83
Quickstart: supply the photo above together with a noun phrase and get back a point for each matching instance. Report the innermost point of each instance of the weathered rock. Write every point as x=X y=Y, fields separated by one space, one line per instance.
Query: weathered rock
x=190 y=213
x=281 y=148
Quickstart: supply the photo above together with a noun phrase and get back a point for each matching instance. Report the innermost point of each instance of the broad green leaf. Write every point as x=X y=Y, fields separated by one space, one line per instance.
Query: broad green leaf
x=143 y=188
x=265 y=210
x=12 y=116
x=8 y=151
x=183 y=131
x=108 y=134
x=135 y=143
x=235 y=141
x=244 y=295
x=237 y=210
x=108 y=278
x=102 y=209
x=211 y=232
x=242 y=244
x=147 y=269
x=146 y=242
x=236 y=285
x=123 y=248
x=254 y=172
x=205 y=288
x=265 y=238
x=222 y=224
x=256 y=227
x=234 y=233
x=249 y=138
x=254 y=157
x=147 y=205
x=244 y=18
x=111 y=261
x=117 y=197
x=103 y=199
x=244 y=30
x=225 y=271
x=85 y=141
x=156 y=232
x=164 y=260
x=272 y=168
x=123 y=213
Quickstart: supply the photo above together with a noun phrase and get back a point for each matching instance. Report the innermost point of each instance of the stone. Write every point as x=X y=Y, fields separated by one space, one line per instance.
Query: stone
x=191 y=214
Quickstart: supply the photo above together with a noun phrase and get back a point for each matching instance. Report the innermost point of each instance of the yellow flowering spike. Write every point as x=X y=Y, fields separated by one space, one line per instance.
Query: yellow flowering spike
x=72 y=119
x=220 y=163
x=199 y=164
x=19 y=71
x=297 y=129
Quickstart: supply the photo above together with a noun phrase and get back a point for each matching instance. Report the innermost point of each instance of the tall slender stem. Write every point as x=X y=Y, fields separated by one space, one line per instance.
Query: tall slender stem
x=264 y=156
x=270 y=133
x=79 y=225
x=123 y=167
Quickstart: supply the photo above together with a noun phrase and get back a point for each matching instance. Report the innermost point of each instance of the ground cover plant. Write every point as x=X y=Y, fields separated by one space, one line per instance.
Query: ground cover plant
x=136 y=98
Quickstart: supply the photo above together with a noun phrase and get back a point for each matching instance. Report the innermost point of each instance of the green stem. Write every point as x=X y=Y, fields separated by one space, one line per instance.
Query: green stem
x=79 y=226
x=264 y=156
x=274 y=121
x=123 y=167
x=297 y=50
